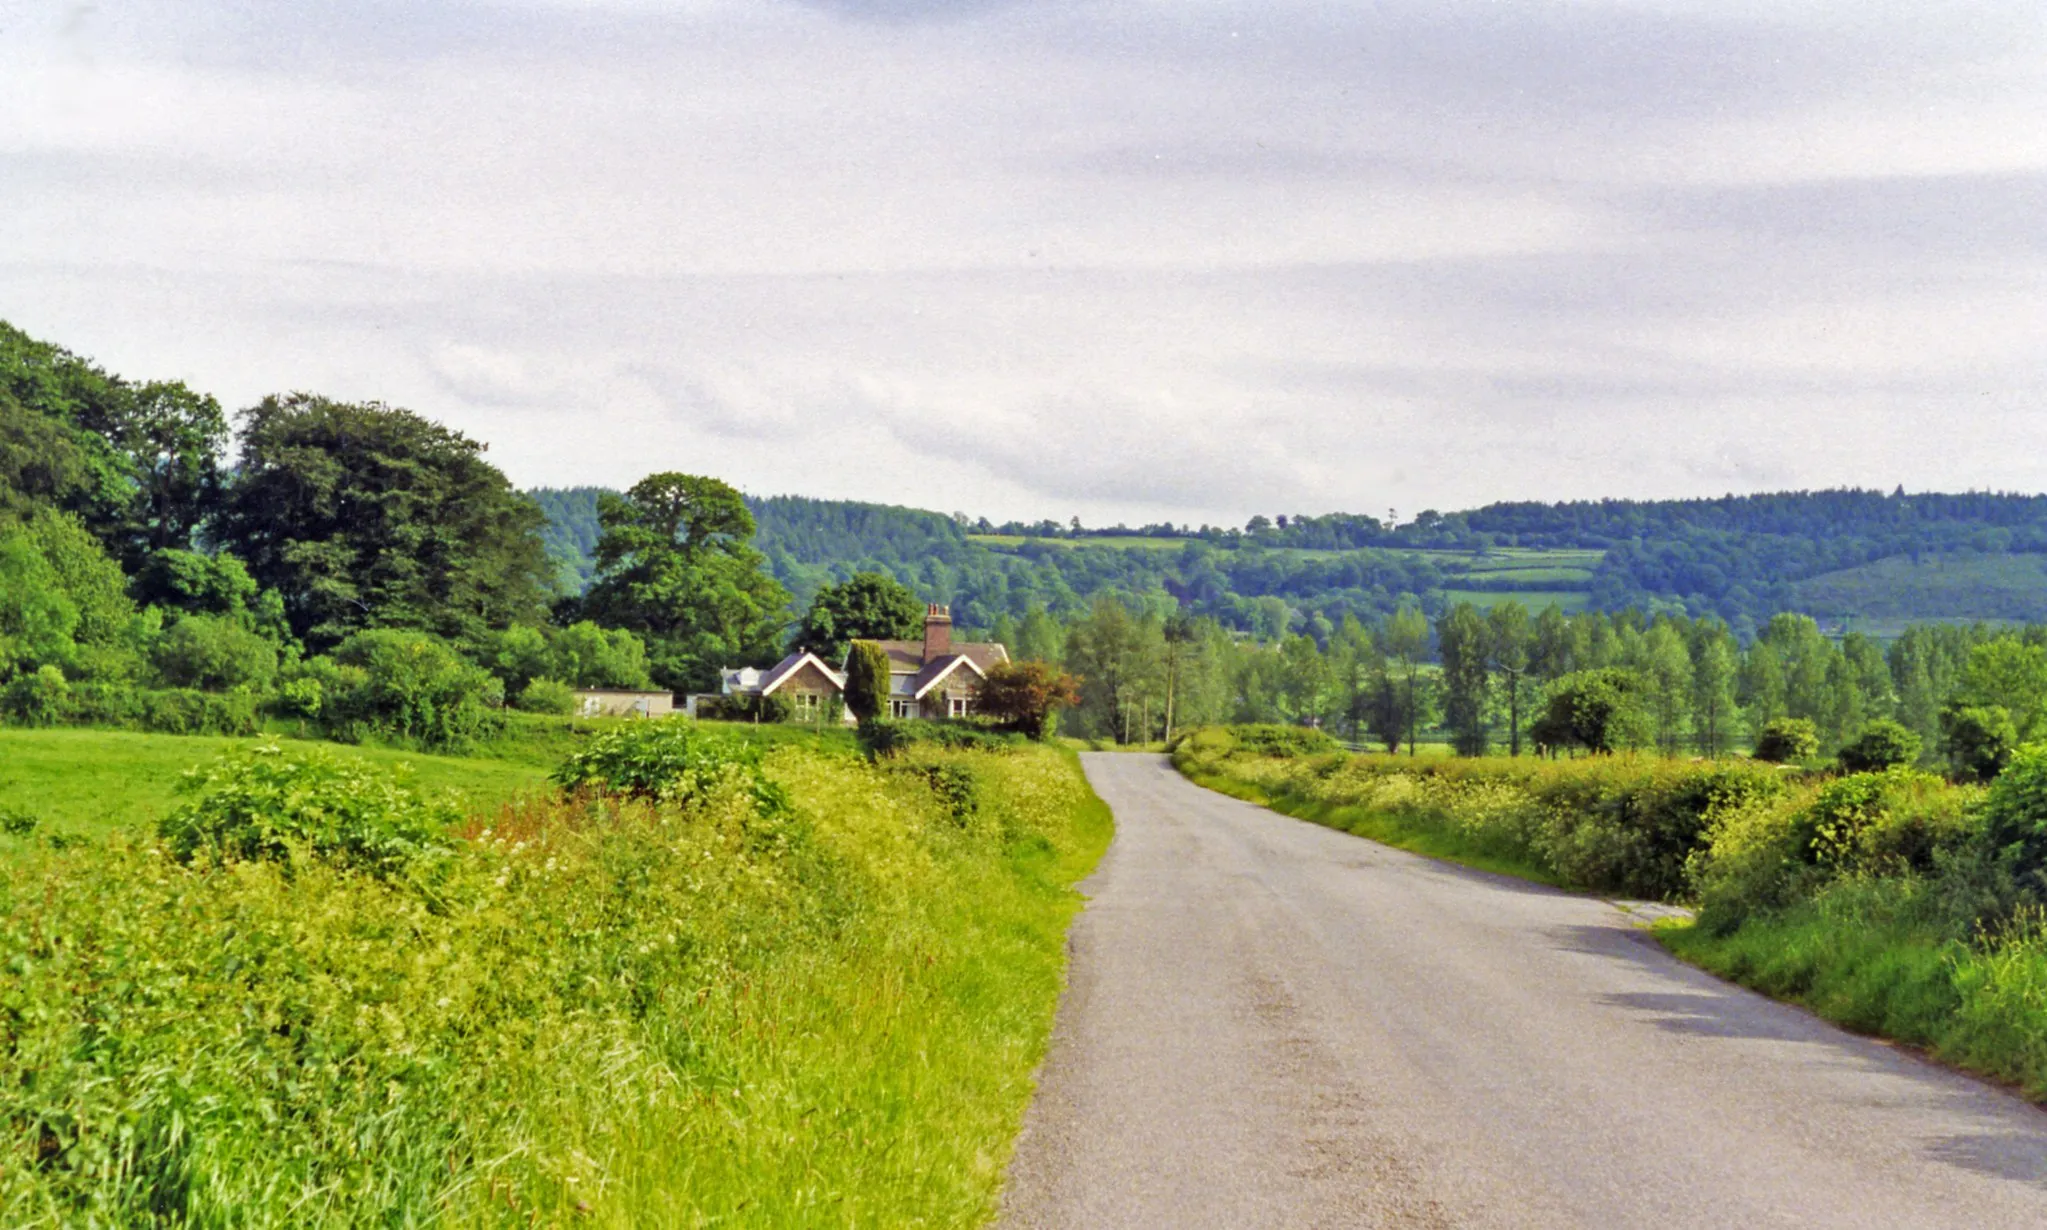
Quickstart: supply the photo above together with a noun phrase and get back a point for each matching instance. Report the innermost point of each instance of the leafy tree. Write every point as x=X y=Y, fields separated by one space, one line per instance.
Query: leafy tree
x=43 y=462
x=367 y=516
x=1787 y=741
x=870 y=607
x=585 y=655
x=2015 y=819
x=37 y=619
x=867 y=681
x=1665 y=665
x=1509 y=640
x=1881 y=745
x=1714 y=670
x=1405 y=641
x=675 y=565
x=1602 y=711
x=1025 y=695
x=2010 y=674
x=1462 y=636
x=1978 y=740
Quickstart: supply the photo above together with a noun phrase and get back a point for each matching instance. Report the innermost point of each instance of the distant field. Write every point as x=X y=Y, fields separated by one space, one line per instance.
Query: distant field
x=1522 y=563
x=1557 y=576
x=94 y=781
x=1567 y=601
x=1134 y=542
x=1898 y=590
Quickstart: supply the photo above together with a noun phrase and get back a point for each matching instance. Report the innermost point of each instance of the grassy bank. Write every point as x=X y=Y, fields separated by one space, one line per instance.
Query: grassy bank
x=1892 y=903
x=805 y=990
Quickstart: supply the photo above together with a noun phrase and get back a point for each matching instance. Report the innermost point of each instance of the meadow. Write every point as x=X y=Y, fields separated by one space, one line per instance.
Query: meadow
x=93 y=782
x=767 y=982
x=1893 y=902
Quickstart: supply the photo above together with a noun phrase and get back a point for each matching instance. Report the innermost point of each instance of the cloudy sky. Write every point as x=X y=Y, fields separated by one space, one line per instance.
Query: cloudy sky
x=1187 y=260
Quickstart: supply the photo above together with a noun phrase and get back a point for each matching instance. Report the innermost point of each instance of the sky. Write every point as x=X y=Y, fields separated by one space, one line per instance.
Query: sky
x=1182 y=261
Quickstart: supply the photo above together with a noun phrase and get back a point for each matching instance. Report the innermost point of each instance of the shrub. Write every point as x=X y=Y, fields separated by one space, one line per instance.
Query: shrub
x=1787 y=741
x=407 y=684
x=38 y=698
x=867 y=681
x=214 y=653
x=269 y=804
x=1881 y=745
x=177 y=711
x=890 y=737
x=673 y=761
x=1275 y=740
x=544 y=695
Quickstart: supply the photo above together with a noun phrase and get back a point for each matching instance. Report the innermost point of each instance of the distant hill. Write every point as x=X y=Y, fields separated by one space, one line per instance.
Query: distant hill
x=1862 y=557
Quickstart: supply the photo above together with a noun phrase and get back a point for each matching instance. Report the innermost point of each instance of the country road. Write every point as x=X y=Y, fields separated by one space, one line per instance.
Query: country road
x=1274 y=1024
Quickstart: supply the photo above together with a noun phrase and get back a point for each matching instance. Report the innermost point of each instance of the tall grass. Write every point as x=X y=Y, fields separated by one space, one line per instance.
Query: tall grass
x=598 y=1012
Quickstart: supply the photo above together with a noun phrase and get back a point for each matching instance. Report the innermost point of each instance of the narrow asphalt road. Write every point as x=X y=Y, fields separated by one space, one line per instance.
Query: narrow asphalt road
x=1273 y=1024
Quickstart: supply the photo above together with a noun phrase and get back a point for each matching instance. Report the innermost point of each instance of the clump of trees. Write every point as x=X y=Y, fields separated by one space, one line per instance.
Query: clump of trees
x=357 y=567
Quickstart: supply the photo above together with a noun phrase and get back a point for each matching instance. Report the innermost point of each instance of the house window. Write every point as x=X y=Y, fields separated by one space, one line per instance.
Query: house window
x=958 y=706
x=902 y=708
x=804 y=705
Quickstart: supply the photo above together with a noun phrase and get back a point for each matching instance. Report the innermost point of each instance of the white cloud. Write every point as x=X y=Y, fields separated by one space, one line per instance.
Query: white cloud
x=1034 y=259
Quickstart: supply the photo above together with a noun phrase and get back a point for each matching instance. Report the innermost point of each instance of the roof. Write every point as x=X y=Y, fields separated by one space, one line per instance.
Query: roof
x=934 y=674
x=785 y=670
x=907 y=657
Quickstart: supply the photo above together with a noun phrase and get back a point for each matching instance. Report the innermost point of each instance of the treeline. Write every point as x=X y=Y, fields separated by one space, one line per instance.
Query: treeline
x=356 y=568
x=1506 y=680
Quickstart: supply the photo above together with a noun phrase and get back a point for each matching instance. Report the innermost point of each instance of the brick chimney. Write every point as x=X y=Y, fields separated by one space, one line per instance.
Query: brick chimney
x=937 y=632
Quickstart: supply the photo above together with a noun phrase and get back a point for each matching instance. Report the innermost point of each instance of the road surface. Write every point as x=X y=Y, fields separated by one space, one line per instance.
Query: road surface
x=1269 y=1023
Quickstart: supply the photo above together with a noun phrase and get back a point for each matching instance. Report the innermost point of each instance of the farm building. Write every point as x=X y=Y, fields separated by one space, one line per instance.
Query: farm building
x=623 y=702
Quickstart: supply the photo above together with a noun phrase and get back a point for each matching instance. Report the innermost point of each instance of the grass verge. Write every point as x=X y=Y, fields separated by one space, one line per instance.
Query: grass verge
x=1864 y=957
x=1403 y=833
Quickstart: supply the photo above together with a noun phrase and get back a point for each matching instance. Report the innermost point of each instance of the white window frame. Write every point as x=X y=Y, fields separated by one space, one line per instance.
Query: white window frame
x=805 y=706
x=902 y=707
x=956 y=705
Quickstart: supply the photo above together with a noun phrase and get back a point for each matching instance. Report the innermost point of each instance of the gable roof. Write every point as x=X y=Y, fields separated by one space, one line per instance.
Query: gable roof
x=935 y=673
x=785 y=670
x=907 y=657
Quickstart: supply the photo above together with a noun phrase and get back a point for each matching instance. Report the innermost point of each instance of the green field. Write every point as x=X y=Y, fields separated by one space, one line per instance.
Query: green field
x=1899 y=590
x=93 y=781
x=1567 y=601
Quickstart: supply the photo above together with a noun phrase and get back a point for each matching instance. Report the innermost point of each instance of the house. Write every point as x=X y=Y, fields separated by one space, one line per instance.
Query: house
x=932 y=678
x=802 y=677
x=623 y=702
x=938 y=677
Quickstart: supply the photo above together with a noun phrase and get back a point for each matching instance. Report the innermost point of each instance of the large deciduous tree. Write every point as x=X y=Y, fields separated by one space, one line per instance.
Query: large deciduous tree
x=869 y=607
x=676 y=565
x=369 y=516
x=139 y=463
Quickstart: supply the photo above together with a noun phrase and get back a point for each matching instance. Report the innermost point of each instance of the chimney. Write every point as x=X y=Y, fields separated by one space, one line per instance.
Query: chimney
x=937 y=632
